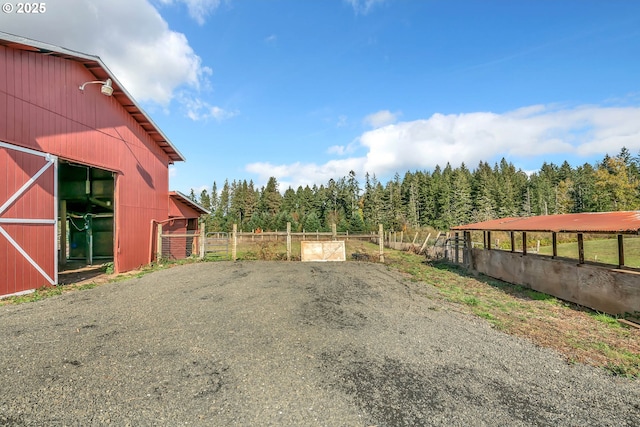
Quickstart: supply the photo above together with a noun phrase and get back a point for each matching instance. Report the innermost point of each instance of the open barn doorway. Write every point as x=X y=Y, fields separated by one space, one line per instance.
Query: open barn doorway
x=86 y=221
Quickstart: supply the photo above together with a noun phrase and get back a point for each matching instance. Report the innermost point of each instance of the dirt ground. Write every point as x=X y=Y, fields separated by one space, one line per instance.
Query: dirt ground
x=267 y=343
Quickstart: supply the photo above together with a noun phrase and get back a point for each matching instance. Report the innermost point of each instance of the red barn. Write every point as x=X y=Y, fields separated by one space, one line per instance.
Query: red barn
x=83 y=169
x=183 y=231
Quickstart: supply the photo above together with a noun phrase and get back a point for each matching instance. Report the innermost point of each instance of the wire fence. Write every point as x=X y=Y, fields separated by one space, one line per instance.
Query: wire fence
x=176 y=246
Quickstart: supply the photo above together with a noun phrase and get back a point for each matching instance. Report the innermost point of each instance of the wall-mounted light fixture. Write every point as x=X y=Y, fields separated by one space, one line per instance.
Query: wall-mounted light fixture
x=106 y=88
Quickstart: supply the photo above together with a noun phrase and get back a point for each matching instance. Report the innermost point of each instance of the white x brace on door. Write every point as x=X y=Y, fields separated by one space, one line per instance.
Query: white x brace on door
x=28 y=218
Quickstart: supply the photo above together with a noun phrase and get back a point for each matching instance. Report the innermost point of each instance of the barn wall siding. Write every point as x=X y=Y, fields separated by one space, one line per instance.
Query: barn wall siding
x=179 y=209
x=42 y=108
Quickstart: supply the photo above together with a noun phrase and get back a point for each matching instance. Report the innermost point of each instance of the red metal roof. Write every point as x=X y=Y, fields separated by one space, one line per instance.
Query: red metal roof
x=627 y=222
x=180 y=197
x=95 y=65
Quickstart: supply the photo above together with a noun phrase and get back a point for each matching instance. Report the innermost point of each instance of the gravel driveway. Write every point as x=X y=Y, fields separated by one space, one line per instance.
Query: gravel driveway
x=291 y=344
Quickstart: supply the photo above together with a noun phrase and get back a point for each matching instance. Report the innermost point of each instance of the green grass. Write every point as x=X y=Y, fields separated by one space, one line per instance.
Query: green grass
x=606 y=319
x=36 y=295
x=600 y=250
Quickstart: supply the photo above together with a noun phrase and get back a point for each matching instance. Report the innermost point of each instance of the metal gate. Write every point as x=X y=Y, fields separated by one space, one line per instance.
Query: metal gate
x=217 y=244
x=28 y=219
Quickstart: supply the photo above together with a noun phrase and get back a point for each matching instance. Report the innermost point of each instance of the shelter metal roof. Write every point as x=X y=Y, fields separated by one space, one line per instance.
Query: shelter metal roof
x=177 y=195
x=626 y=222
x=95 y=65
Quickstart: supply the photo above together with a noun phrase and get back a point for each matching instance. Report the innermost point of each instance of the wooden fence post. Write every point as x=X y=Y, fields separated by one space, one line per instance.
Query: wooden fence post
x=234 y=242
x=202 y=240
x=425 y=243
x=334 y=233
x=159 y=243
x=288 y=241
x=381 y=242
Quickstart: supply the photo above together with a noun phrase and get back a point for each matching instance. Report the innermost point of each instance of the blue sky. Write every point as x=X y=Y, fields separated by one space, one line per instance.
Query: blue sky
x=308 y=90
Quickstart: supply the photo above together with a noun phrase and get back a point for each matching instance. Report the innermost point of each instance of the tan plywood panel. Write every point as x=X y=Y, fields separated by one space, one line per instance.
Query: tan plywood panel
x=322 y=251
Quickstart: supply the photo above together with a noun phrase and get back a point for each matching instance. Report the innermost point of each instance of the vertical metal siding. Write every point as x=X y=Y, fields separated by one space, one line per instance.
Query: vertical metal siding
x=179 y=209
x=41 y=108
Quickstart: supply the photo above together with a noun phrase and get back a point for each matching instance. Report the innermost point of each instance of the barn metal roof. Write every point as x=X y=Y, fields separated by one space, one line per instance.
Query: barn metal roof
x=186 y=200
x=95 y=65
x=627 y=222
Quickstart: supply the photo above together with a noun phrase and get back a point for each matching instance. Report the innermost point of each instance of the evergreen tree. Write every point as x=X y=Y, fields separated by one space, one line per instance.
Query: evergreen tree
x=312 y=222
x=483 y=183
x=270 y=198
x=222 y=211
x=461 y=196
x=584 y=188
x=214 y=198
x=205 y=201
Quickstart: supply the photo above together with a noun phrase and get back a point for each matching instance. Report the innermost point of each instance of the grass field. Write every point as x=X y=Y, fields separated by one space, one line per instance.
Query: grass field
x=600 y=250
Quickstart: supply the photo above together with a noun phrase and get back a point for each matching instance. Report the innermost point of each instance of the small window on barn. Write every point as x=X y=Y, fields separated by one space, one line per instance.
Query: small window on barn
x=192 y=224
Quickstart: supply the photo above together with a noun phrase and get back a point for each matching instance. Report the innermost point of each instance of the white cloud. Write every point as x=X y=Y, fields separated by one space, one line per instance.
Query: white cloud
x=363 y=6
x=341 y=150
x=199 y=10
x=271 y=39
x=197 y=109
x=130 y=36
x=381 y=118
x=297 y=174
x=530 y=132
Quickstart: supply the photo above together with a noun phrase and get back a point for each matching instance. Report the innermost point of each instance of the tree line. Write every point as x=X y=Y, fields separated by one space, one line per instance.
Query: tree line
x=440 y=198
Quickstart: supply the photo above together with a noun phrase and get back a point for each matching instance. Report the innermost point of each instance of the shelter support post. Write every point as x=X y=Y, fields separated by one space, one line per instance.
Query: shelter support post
x=488 y=240
x=467 y=249
x=620 y=251
x=524 y=243
x=580 y=248
x=456 y=245
x=554 y=244
x=513 y=241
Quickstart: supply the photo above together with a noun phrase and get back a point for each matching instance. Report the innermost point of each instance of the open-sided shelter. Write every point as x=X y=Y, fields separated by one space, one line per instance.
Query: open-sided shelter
x=612 y=289
x=83 y=169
